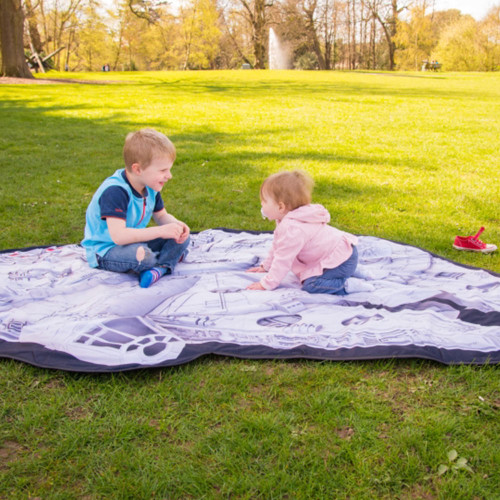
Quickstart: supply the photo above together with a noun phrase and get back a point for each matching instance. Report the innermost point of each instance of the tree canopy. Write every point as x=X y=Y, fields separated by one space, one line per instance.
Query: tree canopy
x=90 y=35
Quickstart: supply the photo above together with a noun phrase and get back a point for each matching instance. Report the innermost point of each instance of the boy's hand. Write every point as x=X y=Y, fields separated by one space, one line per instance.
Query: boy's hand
x=258 y=269
x=185 y=233
x=255 y=286
x=173 y=231
x=163 y=219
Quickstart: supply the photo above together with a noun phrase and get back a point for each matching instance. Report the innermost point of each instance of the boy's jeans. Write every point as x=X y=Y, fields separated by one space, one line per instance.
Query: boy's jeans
x=332 y=281
x=159 y=253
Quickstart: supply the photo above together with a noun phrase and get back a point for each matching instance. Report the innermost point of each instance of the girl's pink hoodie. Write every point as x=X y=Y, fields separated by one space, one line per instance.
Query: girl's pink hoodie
x=305 y=244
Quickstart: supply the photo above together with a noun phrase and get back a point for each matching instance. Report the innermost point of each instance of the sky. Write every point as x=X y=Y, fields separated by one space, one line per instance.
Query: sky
x=476 y=8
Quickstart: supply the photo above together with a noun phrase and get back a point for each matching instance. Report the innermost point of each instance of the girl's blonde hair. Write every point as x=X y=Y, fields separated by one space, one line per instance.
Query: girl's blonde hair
x=144 y=145
x=294 y=188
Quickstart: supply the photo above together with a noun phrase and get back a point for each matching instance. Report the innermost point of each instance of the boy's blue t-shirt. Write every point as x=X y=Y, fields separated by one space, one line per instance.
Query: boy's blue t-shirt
x=116 y=197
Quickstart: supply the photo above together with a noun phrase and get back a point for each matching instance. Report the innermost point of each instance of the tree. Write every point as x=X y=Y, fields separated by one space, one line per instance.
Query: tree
x=441 y=19
x=148 y=10
x=288 y=22
x=58 y=22
x=255 y=12
x=200 y=34
x=309 y=28
x=386 y=12
x=161 y=40
x=12 y=39
x=34 y=34
x=235 y=43
x=133 y=30
x=462 y=47
x=490 y=27
x=139 y=42
x=315 y=23
x=93 y=41
x=414 y=39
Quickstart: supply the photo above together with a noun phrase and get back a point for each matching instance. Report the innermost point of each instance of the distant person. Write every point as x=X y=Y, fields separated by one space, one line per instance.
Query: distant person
x=116 y=234
x=322 y=256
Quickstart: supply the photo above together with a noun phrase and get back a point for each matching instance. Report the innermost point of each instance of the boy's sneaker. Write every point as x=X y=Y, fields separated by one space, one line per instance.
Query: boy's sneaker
x=473 y=243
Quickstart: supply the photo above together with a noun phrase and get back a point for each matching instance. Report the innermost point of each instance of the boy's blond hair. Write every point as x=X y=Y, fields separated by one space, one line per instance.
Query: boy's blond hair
x=144 y=145
x=294 y=188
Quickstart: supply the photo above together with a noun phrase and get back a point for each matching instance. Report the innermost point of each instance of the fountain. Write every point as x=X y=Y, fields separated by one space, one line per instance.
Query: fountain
x=279 y=57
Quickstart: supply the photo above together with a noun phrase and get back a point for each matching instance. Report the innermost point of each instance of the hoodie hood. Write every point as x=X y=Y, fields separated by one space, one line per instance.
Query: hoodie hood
x=314 y=213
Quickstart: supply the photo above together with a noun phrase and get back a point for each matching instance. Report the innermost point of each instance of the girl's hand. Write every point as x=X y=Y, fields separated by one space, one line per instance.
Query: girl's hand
x=258 y=269
x=255 y=286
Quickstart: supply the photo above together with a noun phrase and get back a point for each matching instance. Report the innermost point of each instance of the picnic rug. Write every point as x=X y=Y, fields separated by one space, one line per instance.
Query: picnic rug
x=57 y=312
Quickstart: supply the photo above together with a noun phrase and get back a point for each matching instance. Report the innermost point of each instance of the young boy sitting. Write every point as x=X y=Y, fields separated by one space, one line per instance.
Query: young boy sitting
x=116 y=234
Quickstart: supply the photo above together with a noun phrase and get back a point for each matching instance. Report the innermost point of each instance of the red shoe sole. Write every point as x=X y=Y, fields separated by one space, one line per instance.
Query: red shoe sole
x=480 y=250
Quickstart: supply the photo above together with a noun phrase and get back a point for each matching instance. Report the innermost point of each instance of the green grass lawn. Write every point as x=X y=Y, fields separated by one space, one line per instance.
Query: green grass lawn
x=406 y=156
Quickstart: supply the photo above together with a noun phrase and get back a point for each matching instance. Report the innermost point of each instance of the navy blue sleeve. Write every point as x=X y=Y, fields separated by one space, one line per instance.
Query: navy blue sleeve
x=114 y=203
x=158 y=203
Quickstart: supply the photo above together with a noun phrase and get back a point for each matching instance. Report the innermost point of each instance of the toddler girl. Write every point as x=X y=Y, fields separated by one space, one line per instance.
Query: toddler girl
x=320 y=255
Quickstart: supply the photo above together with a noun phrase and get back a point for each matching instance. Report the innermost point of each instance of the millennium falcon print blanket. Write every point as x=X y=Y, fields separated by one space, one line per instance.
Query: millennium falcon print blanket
x=56 y=312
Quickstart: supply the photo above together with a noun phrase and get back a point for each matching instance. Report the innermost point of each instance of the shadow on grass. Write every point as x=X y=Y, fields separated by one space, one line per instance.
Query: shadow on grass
x=335 y=85
x=53 y=164
x=335 y=90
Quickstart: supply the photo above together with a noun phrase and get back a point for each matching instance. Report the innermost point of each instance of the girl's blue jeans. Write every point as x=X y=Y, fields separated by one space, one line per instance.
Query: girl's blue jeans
x=332 y=281
x=158 y=253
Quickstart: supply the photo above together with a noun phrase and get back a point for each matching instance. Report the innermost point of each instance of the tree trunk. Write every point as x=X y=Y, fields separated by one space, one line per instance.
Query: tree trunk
x=391 y=46
x=353 y=35
x=259 y=35
x=256 y=15
x=373 y=44
x=11 y=32
x=34 y=34
x=311 y=28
